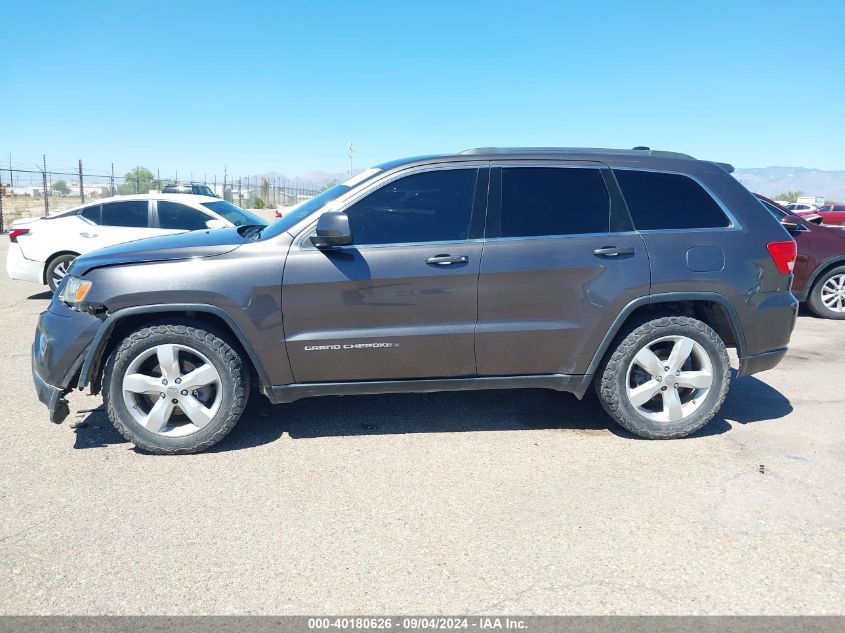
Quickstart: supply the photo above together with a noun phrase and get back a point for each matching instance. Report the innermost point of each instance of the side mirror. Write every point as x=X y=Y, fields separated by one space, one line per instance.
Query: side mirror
x=332 y=230
x=215 y=224
x=792 y=227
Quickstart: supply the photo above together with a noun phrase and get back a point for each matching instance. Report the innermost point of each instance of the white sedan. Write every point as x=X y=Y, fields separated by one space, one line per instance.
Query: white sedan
x=42 y=249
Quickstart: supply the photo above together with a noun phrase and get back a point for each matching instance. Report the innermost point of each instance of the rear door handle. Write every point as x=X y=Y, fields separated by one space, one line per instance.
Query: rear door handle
x=446 y=260
x=87 y=234
x=613 y=251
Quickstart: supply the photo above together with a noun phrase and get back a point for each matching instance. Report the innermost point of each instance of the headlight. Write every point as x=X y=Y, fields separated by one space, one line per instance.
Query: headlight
x=74 y=291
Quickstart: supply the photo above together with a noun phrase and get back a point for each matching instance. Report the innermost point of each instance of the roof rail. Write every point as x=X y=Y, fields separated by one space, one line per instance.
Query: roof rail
x=639 y=150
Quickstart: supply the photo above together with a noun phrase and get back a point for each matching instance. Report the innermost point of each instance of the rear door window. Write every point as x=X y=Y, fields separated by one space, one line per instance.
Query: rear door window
x=172 y=215
x=128 y=213
x=538 y=201
x=661 y=201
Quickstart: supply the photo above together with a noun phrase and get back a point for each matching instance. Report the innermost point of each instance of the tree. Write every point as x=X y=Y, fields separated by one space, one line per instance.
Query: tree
x=328 y=185
x=138 y=180
x=789 y=196
x=259 y=203
x=60 y=187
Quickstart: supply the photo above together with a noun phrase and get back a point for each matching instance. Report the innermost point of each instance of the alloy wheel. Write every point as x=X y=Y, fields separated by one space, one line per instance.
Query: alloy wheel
x=59 y=272
x=669 y=378
x=172 y=390
x=833 y=293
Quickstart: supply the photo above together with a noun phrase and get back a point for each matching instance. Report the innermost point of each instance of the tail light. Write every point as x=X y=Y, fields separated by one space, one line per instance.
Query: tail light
x=14 y=234
x=783 y=254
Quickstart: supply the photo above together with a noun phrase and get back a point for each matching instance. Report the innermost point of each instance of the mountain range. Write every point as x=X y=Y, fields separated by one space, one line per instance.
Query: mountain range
x=770 y=181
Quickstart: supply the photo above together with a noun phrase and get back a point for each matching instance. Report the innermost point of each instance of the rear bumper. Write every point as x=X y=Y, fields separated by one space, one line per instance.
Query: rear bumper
x=768 y=328
x=23 y=269
x=760 y=362
x=768 y=320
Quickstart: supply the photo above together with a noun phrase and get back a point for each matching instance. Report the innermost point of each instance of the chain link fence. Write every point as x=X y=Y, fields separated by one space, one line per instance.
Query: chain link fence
x=36 y=190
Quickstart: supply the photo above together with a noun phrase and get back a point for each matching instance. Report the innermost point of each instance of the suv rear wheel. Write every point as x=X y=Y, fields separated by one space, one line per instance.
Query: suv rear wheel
x=666 y=379
x=827 y=299
x=174 y=388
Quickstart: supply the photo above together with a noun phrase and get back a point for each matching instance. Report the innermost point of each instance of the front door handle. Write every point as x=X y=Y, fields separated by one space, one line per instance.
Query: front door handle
x=613 y=251
x=446 y=260
x=87 y=234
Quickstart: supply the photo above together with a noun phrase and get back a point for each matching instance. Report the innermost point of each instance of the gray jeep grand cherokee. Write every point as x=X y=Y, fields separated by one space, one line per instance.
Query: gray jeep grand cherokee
x=631 y=270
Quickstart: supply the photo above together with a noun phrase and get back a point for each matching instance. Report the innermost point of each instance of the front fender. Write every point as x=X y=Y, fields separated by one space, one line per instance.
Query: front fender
x=93 y=357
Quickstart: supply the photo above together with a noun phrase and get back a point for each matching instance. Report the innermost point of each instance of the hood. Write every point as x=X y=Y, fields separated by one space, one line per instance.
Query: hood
x=202 y=243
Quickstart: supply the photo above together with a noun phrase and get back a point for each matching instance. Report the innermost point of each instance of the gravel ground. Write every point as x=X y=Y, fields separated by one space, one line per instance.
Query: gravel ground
x=487 y=502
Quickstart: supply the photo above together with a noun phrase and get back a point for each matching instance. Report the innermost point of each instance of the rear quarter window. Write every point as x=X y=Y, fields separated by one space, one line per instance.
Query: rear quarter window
x=663 y=201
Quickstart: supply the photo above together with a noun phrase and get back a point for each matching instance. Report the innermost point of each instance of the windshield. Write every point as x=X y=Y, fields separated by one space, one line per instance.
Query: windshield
x=301 y=211
x=234 y=214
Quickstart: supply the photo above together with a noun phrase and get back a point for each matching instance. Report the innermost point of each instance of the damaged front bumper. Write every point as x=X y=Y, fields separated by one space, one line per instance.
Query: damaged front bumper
x=62 y=338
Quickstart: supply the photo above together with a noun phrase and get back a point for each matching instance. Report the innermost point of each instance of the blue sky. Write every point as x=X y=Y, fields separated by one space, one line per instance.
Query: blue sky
x=285 y=86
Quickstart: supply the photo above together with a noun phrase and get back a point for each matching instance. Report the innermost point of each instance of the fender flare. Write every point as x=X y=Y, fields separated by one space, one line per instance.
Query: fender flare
x=98 y=345
x=715 y=297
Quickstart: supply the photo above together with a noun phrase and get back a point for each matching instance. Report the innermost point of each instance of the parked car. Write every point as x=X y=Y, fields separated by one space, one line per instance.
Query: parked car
x=820 y=266
x=832 y=214
x=192 y=188
x=630 y=271
x=801 y=208
x=42 y=249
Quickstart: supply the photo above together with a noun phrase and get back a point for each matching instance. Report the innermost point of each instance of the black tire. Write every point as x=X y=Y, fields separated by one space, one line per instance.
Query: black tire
x=54 y=272
x=234 y=385
x=814 y=301
x=611 y=381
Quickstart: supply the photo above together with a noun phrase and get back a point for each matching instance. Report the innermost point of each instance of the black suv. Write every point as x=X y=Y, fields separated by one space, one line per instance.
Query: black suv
x=193 y=188
x=629 y=270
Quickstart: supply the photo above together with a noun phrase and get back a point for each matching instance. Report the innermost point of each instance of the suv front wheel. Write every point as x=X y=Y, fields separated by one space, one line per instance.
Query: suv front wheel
x=174 y=388
x=666 y=379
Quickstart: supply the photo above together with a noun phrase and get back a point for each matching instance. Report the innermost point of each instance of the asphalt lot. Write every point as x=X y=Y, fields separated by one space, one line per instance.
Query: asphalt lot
x=489 y=502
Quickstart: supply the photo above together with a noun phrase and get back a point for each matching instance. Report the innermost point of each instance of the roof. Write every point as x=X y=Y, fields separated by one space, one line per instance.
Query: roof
x=175 y=197
x=637 y=154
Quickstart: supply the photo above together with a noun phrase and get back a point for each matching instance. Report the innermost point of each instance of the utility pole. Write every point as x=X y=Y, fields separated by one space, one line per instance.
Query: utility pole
x=351 y=152
x=137 y=179
x=44 y=180
x=81 y=188
x=111 y=181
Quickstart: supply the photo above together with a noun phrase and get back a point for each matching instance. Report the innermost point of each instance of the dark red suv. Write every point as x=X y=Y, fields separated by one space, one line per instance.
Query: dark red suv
x=820 y=266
